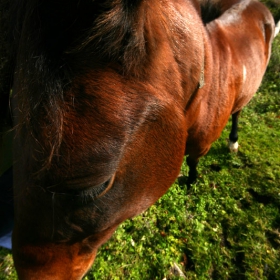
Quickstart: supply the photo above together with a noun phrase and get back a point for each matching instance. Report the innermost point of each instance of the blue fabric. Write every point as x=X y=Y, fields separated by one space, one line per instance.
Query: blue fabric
x=6 y=209
x=6 y=241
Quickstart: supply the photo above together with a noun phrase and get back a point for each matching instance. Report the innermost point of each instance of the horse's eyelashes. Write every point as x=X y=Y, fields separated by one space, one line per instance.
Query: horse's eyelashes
x=86 y=195
x=98 y=191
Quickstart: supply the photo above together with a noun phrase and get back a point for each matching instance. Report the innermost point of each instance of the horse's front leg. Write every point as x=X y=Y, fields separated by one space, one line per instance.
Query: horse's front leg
x=192 y=176
x=233 y=136
x=195 y=150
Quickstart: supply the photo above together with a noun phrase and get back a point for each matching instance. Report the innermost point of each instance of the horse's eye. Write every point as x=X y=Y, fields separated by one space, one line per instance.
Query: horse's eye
x=88 y=194
x=97 y=191
x=101 y=189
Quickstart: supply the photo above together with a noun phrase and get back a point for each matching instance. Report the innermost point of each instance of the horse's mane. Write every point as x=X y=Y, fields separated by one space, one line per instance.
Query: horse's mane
x=210 y=10
x=6 y=65
x=213 y=9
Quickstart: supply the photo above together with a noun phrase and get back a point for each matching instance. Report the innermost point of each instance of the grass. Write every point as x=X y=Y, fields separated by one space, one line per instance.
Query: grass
x=226 y=226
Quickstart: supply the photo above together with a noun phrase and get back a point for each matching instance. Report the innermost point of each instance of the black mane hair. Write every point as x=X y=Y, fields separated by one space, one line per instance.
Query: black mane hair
x=6 y=64
x=210 y=10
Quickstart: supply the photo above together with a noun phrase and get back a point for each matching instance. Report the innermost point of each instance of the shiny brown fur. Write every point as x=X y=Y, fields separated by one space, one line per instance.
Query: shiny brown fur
x=106 y=95
x=238 y=51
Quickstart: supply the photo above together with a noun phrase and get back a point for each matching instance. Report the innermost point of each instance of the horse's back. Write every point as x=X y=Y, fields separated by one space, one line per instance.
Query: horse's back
x=245 y=23
x=242 y=37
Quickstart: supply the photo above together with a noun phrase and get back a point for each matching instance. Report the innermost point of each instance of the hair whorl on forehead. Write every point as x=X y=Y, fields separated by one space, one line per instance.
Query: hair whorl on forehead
x=117 y=33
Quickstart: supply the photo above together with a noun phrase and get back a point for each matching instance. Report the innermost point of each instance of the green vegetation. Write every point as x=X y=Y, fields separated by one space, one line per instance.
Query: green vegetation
x=226 y=226
x=274 y=7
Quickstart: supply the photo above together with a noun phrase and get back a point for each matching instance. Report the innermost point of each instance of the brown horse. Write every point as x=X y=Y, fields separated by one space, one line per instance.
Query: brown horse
x=237 y=54
x=106 y=96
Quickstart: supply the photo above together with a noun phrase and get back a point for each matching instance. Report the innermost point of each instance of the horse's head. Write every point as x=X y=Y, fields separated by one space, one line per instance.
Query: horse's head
x=110 y=163
x=97 y=138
